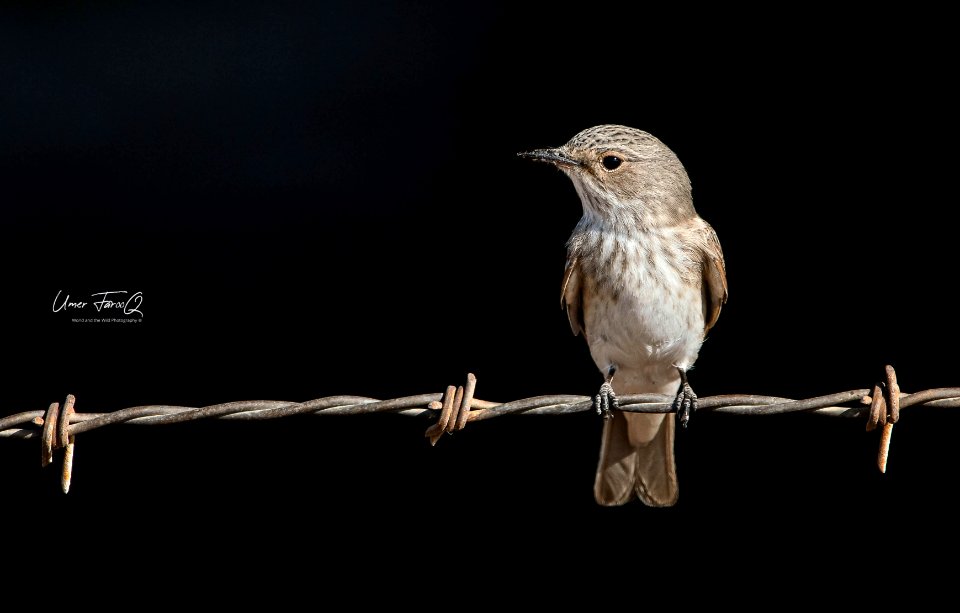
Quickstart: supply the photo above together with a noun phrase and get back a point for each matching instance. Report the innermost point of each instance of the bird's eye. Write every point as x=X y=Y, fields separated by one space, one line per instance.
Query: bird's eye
x=611 y=162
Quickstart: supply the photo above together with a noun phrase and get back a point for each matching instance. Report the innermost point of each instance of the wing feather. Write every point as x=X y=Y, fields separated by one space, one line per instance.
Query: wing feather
x=571 y=295
x=714 y=278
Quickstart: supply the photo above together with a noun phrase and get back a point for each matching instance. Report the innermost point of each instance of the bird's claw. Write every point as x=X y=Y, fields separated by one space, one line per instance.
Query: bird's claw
x=685 y=403
x=605 y=401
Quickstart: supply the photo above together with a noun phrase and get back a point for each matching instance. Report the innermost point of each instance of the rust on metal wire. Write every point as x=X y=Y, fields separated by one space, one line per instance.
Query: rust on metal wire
x=66 y=440
x=885 y=403
x=893 y=414
x=46 y=438
x=58 y=426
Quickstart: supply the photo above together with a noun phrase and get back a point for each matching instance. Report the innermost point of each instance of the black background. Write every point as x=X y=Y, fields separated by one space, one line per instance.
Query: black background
x=324 y=199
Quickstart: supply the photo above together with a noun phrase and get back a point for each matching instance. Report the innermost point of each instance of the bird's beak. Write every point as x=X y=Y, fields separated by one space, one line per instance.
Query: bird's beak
x=553 y=156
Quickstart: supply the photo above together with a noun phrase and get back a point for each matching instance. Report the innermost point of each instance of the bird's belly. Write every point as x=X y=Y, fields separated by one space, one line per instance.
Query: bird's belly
x=659 y=328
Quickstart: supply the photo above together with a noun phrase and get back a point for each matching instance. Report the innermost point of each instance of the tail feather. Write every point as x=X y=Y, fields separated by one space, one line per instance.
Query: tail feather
x=636 y=457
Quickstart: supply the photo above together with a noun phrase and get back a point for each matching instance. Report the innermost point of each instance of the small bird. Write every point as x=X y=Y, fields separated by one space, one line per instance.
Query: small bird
x=644 y=282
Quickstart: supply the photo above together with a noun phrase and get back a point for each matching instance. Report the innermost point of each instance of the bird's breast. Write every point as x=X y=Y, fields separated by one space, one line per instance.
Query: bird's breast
x=642 y=299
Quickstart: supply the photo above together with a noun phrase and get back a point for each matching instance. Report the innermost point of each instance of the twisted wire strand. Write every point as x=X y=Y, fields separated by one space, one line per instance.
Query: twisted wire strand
x=455 y=407
x=27 y=424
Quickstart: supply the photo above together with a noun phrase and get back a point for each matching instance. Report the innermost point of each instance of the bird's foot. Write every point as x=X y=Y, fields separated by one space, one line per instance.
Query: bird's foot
x=606 y=401
x=685 y=403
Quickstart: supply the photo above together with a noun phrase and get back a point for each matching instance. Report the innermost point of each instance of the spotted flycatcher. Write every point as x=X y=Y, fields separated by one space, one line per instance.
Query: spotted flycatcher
x=644 y=282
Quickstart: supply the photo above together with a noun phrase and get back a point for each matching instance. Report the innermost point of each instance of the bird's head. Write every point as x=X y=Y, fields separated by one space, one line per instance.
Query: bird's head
x=623 y=172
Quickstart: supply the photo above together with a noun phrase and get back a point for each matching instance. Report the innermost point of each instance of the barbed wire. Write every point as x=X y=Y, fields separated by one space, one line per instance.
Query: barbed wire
x=58 y=426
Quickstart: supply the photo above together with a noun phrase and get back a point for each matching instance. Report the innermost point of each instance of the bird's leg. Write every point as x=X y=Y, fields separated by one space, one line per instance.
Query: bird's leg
x=686 y=401
x=606 y=401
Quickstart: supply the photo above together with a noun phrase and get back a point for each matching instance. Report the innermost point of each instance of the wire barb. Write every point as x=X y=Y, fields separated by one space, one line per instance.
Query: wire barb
x=66 y=440
x=454 y=410
x=58 y=426
x=884 y=411
x=893 y=414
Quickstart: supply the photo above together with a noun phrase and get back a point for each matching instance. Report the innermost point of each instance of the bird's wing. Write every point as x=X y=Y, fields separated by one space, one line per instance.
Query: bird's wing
x=714 y=278
x=570 y=296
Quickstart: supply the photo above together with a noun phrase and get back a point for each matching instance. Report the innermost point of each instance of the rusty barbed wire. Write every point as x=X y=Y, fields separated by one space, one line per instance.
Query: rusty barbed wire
x=57 y=427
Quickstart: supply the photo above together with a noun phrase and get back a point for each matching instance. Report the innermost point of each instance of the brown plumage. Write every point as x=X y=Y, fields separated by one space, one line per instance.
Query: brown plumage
x=644 y=282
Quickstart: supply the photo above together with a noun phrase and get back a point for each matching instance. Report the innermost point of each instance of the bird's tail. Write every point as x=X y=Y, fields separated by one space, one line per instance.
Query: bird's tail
x=636 y=456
